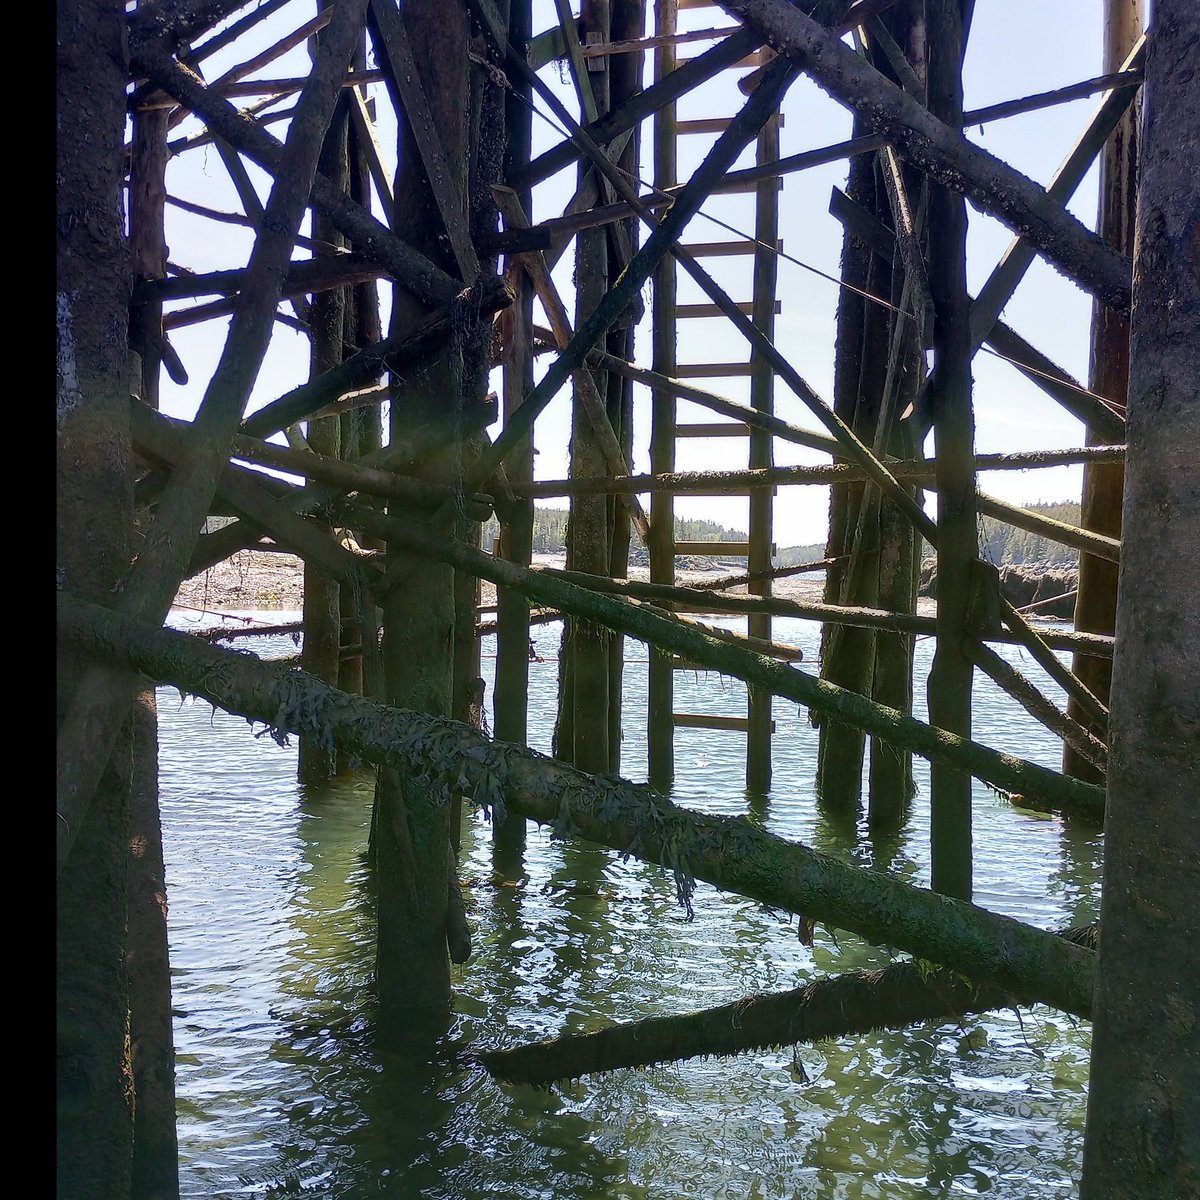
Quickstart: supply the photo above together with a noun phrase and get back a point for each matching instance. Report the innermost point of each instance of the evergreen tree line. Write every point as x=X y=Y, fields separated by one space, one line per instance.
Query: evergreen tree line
x=998 y=543
x=550 y=531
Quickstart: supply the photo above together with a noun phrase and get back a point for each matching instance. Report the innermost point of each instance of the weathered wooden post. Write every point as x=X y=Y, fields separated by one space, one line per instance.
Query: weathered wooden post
x=427 y=47
x=660 y=731
x=1103 y=483
x=582 y=735
x=92 y=545
x=511 y=692
x=327 y=318
x=1143 y=1136
x=155 y=1169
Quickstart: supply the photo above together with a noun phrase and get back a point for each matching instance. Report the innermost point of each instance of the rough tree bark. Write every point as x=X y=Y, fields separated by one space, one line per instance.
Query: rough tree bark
x=1143 y=1125
x=94 y=521
x=155 y=1166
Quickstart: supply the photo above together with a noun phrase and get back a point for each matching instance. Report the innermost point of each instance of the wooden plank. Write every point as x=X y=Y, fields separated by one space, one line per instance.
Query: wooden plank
x=726 y=249
x=713 y=429
x=705 y=721
x=703 y=125
x=711 y=370
x=759 y=58
x=714 y=549
x=700 y=125
x=745 y=185
x=684 y=312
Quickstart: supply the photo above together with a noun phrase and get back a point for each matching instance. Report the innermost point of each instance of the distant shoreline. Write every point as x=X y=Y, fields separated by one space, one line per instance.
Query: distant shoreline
x=270 y=581
x=263 y=580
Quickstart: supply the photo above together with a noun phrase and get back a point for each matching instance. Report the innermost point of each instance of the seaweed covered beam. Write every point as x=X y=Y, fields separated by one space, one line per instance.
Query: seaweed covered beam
x=855 y=1002
x=731 y=853
x=1003 y=771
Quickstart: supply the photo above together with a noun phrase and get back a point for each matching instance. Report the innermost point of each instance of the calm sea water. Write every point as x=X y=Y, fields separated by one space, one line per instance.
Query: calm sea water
x=285 y=1090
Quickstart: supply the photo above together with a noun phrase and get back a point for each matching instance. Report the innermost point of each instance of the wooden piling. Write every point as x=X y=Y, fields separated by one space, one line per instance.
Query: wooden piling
x=660 y=732
x=762 y=399
x=949 y=687
x=1103 y=486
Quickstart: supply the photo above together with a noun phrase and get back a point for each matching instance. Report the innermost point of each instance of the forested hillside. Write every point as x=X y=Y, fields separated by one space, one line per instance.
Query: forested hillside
x=998 y=543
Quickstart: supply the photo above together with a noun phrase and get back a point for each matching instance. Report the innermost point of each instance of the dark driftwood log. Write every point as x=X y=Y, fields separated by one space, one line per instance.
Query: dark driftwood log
x=730 y=852
x=906 y=993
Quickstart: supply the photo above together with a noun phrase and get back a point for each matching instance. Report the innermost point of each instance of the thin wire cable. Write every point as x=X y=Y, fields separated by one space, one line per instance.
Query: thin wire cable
x=1112 y=405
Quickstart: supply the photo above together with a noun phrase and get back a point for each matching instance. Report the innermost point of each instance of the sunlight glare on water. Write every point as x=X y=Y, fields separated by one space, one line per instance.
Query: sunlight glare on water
x=284 y=1089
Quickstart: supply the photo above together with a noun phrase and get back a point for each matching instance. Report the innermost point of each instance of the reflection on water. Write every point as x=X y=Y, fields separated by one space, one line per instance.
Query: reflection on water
x=287 y=1089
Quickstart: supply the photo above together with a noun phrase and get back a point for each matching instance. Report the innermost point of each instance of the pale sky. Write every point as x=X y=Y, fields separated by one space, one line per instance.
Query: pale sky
x=1017 y=47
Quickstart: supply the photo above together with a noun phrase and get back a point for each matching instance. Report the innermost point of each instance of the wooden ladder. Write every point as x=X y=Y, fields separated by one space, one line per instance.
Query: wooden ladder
x=667 y=313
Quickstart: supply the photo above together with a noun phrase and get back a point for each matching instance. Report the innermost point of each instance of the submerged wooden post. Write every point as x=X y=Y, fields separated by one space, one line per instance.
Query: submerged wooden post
x=412 y=827
x=155 y=1163
x=583 y=729
x=660 y=731
x=890 y=787
x=1143 y=1136
x=625 y=81
x=511 y=692
x=762 y=398
x=949 y=687
x=847 y=655
x=320 y=654
x=1103 y=485
x=360 y=430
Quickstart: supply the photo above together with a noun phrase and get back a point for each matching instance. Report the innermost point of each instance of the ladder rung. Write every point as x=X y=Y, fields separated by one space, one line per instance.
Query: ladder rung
x=714 y=549
x=685 y=312
x=726 y=249
x=705 y=721
x=755 y=59
x=712 y=370
x=713 y=429
x=703 y=125
x=746 y=185
x=710 y=125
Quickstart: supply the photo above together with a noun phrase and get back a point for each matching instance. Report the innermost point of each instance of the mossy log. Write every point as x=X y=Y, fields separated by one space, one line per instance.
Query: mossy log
x=731 y=853
x=1003 y=771
x=905 y=993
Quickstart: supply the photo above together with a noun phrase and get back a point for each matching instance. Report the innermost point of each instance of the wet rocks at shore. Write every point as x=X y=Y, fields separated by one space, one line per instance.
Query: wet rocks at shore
x=1052 y=589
